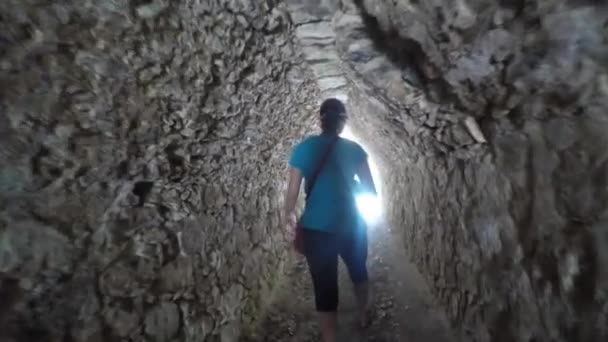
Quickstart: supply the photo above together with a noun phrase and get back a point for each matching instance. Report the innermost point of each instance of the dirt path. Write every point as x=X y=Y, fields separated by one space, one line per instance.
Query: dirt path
x=403 y=309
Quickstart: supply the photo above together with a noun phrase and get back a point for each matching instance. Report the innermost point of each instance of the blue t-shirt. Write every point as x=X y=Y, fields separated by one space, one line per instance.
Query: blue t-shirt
x=331 y=204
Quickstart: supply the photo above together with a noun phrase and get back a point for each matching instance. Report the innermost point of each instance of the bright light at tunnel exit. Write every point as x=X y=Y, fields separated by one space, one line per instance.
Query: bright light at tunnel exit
x=369 y=205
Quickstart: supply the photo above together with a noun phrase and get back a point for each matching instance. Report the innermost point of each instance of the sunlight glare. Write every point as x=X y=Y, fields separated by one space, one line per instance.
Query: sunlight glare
x=369 y=205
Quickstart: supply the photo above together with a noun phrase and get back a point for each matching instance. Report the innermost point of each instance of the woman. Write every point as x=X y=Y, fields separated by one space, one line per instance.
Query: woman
x=331 y=224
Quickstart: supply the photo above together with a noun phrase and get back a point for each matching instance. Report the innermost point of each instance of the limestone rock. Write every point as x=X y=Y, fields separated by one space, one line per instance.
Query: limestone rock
x=504 y=227
x=129 y=131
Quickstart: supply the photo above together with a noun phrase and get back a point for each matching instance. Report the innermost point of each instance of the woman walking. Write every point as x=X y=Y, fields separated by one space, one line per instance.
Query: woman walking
x=331 y=225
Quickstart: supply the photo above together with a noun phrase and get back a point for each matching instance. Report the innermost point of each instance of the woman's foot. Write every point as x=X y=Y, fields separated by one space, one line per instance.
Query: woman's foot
x=328 y=322
x=362 y=295
x=364 y=318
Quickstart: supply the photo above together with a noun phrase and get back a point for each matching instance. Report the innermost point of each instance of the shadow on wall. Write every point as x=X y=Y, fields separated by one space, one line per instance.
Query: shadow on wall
x=407 y=55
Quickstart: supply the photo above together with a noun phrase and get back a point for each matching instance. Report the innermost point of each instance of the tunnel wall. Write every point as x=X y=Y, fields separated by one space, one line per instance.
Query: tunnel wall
x=142 y=153
x=490 y=120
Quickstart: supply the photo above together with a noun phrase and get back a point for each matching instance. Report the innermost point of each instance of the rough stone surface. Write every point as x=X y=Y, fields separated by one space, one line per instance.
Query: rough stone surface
x=315 y=33
x=489 y=119
x=142 y=166
x=143 y=144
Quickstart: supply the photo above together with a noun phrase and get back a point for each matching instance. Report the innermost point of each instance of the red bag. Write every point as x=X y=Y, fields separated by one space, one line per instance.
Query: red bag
x=298 y=241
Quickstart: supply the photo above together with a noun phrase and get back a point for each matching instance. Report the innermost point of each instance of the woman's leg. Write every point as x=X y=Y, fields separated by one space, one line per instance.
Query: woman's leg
x=362 y=294
x=329 y=325
x=353 y=250
x=322 y=257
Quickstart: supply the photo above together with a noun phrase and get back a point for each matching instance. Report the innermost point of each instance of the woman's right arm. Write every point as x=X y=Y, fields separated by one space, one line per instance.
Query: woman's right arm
x=291 y=196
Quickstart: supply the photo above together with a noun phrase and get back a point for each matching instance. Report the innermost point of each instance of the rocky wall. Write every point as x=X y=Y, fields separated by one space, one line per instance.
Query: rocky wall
x=143 y=146
x=316 y=37
x=489 y=119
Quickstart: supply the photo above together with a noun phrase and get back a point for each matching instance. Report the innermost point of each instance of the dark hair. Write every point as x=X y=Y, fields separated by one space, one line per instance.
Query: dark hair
x=333 y=115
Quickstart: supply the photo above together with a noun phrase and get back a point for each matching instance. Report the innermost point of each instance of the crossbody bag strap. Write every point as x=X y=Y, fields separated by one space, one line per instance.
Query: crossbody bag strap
x=310 y=184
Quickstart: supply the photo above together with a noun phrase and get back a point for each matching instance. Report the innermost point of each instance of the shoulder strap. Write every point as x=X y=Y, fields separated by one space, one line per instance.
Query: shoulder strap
x=310 y=184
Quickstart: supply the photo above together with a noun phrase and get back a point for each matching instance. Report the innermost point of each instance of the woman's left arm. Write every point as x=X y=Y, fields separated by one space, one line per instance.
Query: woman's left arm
x=291 y=197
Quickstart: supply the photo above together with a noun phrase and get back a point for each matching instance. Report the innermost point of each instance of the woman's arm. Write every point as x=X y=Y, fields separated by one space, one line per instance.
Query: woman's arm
x=365 y=176
x=291 y=197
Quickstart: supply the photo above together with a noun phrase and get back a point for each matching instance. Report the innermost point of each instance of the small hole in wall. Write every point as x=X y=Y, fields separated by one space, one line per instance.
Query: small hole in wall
x=36 y=160
x=81 y=171
x=440 y=15
x=170 y=249
x=133 y=124
x=163 y=210
x=174 y=159
x=123 y=168
x=141 y=190
x=533 y=24
x=55 y=172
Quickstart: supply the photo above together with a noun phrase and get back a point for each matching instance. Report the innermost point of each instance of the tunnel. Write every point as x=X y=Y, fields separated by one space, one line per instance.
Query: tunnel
x=144 y=148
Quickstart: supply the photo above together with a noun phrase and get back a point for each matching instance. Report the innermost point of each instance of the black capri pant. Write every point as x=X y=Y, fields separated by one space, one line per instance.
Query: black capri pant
x=322 y=250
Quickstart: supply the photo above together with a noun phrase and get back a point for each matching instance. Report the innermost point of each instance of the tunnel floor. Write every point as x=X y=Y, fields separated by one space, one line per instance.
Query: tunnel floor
x=403 y=309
